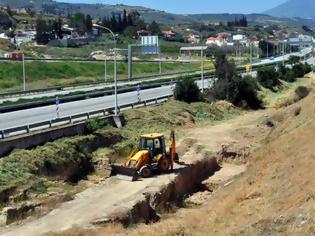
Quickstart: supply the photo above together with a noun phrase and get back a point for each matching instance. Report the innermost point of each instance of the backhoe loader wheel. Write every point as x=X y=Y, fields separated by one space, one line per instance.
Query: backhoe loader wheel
x=145 y=172
x=164 y=165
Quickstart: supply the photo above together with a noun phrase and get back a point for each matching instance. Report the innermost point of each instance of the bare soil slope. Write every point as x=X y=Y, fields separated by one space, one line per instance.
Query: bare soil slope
x=276 y=196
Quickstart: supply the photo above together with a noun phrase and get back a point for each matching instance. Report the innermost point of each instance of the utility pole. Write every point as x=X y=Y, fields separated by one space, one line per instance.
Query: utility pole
x=24 y=77
x=202 y=59
x=105 y=69
x=283 y=42
x=115 y=64
x=160 y=66
x=251 y=56
x=202 y=71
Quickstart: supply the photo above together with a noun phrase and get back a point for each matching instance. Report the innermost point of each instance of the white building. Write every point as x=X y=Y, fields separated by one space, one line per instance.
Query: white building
x=217 y=41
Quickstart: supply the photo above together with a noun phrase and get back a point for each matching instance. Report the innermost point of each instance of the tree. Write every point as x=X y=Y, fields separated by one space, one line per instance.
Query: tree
x=125 y=19
x=42 y=31
x=267 y=48
x=286 y=74
x=57 y=28
x=113 y=23
x=268 y=77
x=88 y=23
x=106 y=22
x=78 y=21
x=238 y=22
x=9 y=11
x=294 y=60
x=232 y=87
x=223 y=68
x=247 y=92
x=130 y=31
x=154 y=28
x=129 y=20
x=120 y=26
x=186 y=90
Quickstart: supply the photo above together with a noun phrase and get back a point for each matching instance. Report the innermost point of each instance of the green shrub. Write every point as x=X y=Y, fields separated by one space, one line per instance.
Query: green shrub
x=307 y=68
x=286 y=74
x=186 y=90
x=233 y=88
x=302 y=92
x=239 y=91
x=268 y=78
x=247 y=90
x=298 y=70
x=294 y=60
x=95 y=124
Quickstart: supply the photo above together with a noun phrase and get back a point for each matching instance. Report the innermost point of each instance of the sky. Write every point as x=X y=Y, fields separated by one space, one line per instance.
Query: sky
x=196 y=6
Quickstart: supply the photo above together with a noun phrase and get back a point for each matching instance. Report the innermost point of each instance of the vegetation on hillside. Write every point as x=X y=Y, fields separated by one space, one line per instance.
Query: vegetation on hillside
x=50 y=74
x=232 y=87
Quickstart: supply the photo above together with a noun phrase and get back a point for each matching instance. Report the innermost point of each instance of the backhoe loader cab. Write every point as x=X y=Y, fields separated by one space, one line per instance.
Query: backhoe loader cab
x=154 y=143
x=150 y=156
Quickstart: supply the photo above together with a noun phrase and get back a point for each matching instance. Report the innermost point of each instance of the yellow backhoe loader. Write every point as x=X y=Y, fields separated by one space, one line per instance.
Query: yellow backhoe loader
x=150 y=156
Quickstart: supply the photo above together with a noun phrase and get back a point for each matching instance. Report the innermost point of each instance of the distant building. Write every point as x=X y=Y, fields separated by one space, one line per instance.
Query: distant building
x=189 y=51
x=225 y=35
x=239 y=37
x=217 y=41
x=3 y=36
x=301 y=41
x=169 y=34
x=193 y=39
x=24 y=36
x=143 y=33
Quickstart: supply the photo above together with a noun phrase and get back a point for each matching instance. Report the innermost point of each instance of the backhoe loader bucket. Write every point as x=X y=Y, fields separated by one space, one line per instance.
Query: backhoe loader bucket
x=125 y=173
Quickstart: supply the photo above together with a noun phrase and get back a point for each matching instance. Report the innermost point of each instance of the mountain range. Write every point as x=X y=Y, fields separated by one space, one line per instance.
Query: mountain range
x=294 y=8
x=291 y=12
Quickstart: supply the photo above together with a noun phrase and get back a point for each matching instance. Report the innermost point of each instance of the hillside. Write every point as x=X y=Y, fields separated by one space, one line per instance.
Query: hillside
x=294 y=8
x=6 y=21
x=56 y=8
x=275 y=196
x=101 y=10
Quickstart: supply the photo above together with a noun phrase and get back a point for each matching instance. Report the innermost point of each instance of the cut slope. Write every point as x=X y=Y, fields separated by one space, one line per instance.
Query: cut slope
x=275 y=196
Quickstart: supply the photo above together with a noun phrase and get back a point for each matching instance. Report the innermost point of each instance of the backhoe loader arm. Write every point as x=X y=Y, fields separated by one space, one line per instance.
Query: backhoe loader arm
x=172 y=149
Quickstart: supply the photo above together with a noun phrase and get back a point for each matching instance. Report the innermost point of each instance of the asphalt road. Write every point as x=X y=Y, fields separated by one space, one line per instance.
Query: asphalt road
x=93 y=87
x=23 y=117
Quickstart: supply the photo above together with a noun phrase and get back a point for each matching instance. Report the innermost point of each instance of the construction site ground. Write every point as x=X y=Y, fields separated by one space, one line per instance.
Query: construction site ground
x=99 y=202
x=265 y=185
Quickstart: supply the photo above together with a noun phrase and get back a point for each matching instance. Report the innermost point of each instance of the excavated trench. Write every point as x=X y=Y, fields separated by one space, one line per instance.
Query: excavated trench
x=186 y=181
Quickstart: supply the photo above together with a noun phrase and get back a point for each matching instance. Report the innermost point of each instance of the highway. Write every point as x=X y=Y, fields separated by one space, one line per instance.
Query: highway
x=94 y=87
x=19 y=118
x=122 y=83
x=23 y=117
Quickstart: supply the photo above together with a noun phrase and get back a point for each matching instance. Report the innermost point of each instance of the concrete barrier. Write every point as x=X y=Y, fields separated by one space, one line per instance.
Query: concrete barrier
x=40 y=138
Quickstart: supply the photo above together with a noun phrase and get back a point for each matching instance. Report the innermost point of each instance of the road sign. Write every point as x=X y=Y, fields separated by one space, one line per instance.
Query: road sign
x=248 y=68
x=150 y=45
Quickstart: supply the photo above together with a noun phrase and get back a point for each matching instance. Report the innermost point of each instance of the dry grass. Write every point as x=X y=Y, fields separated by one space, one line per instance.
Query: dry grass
x=286 y=95
x=276 y=196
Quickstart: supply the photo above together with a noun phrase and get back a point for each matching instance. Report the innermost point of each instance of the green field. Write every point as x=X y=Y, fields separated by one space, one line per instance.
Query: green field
x=51 y=74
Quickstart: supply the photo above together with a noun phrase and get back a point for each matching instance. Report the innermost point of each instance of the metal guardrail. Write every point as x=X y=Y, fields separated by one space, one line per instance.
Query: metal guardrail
x=28 y=128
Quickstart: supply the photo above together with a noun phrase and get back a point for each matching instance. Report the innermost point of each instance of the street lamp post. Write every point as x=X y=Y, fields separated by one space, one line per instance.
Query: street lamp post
x=115 y=64
x=202 y=59
x=24 y=76
x=251 y=56
x=105 y=69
